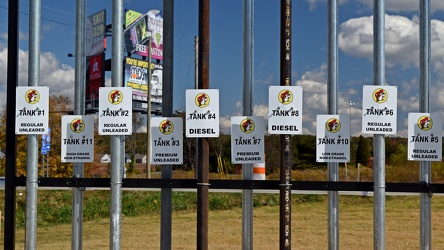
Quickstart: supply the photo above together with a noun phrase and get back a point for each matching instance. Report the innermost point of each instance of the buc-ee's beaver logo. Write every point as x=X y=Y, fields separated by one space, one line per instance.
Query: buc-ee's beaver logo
x=202 y=100
x=166 y=127
x=32 y=96
x=425 y=123
x=285 y=97
x=380 y=95
x=333 y=125
x=247 y=125
x=115 y=97
x=77 y=125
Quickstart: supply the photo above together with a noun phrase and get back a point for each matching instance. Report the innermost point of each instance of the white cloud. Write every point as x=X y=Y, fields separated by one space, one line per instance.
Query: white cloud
x=59 y=77
x=401 y=39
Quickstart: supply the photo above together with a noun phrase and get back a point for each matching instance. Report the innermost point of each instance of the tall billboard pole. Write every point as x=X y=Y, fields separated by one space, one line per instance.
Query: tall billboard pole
x=116 y=171
x=32 y=150
x=285 y=140
x=79 y=109
x=425 y=166
x=247 y=169
x=378 y=142
x=333 y=175
x=11 y=141
x=203 y=147
x=167 y=111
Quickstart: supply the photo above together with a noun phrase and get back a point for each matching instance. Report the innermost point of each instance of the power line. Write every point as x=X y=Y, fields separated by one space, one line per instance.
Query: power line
x=43 y=18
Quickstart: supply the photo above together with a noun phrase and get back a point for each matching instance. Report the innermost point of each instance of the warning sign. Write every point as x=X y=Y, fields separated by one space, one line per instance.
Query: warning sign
x=32 y=109
x=379 y=109
x=77 y=140
x=202 y=113
x=247 y=139
x=333 y=138
x=424 y=137
x=115 y=111
x=166 y=140
x=285 y=110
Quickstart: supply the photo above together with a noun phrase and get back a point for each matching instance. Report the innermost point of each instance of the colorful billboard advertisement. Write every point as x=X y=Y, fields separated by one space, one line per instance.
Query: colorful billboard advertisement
x=136 y=77
x=95 y=33
x=138 y=29
x=95 y=78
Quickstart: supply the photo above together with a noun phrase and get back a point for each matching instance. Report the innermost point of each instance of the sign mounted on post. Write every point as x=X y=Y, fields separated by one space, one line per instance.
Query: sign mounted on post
x=166 y=140
x=379 y=109
x=115 y=111
x=32 y=109
x=202 y=113
x=285 y=110
x=247 y=139
x=333 y=138
x=424 y=137
x=77 y=138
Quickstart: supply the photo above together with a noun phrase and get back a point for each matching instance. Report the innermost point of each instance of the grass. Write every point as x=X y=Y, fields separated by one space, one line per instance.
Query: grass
x=309 y=227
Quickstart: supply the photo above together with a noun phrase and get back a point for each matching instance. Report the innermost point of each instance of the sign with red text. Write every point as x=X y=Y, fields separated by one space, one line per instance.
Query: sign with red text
x=379 y=109
x=166 y=140
x=32 y=110
x=202 y=113
x=333 y=138
x=424 y=137
x=115 y=111
x=247 y=139
x=285 y=110
x=77 y=139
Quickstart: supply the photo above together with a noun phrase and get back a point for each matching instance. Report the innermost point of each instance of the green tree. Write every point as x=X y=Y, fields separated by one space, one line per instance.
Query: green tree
x=132 y=149
x=363 y=151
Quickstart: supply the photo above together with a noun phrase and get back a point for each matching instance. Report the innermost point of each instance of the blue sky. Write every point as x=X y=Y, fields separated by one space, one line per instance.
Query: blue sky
x=309 y=51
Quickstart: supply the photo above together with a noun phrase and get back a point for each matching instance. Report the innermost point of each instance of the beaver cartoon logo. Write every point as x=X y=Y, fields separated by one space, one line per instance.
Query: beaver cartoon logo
x=202 y=100
x=115 y=97
x=333 y=125
x=247 y=125
x=285 y=97
x=425 y=123
x=32 y=96
x=166 y=127
x=77 y=125
x=380 y=95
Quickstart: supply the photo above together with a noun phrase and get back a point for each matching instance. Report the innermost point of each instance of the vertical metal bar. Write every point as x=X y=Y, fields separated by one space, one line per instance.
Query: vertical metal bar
x=378 y=142
x=196 y=86
x=203 y=157
x=167 y=111
x=116 y=172
x=285 y=140
x=425 y=166
x=247 y=99
x=11 y=141
x=332 y=87
x=32 y=154
x=148 y=114
x=79 y=109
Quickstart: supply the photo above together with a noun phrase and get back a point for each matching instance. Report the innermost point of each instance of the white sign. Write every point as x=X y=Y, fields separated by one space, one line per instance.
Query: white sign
x=32 y=110
x=115 y=111
x=379 y=109
x=166 y=140
x=424 y=137
x=77 y=138
x=202 y=113
x=333 y=138
x=285 y=110
x=247 y=139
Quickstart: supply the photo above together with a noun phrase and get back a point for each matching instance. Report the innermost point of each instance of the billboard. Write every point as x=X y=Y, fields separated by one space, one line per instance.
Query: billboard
x=138 y=29
x=136 y=77
x=95 y=78
x=95 y=33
